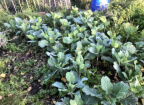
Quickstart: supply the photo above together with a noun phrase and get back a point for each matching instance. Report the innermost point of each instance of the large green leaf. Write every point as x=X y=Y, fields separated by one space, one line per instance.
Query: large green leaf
x=47 y=76
x=67 y=40
x=106 y=84
x=89 y=100
x=80 y=83
x=103 y=19
x=61 y=57
x=119 y=90
x=79 y=59
x=43 y=43
x=129 y=99
x=118 y=70
x=59 y=85
x=107 y=59
x=76 y=101
x=31 y=37
x=90 y=91
x=70 y=77
x=65 y=101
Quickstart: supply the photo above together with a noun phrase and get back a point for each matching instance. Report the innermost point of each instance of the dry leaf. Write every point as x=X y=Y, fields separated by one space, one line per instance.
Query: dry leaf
x=10 y=95
x=1 y=97
x=29 y=52
x=54 y=102
x=39 y=80
x=63 y=79
x=31 y=78
x=142 y=101
x=142 y=69
x=29 y=89
x=22 y=73
x=3 y=75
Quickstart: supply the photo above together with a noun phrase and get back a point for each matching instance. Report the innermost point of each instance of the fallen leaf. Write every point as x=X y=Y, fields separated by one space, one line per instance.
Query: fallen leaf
x=142 y=101
x=10 y=95
x=1 y=97
x=22 y=73
x=39 y=80
x=142 y=69
x=63 y=79
x=3 y=75
x=54 y=102
x=29 y=89
x=31 y=78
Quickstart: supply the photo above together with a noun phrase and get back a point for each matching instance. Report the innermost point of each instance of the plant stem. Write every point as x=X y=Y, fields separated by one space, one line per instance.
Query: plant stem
x=97 y=62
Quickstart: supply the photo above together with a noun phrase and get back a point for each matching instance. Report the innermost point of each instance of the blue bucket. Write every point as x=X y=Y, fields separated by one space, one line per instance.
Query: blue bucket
x=99 y=5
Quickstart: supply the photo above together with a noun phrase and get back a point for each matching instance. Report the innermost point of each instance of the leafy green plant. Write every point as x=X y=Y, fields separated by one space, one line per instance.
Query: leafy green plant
x=73 y=42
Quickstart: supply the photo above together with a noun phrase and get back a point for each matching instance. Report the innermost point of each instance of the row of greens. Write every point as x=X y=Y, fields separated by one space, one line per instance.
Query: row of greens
x=73 y=42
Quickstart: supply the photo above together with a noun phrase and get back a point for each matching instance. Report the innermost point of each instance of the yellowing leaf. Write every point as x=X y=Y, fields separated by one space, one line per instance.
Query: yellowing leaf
x=142 y=83
x=142 y=69
x=63 y=79
x=22 y=73
x=142 y=101
x=54 y=102
x=3 y=75
x=29 y=89
x=39 y=80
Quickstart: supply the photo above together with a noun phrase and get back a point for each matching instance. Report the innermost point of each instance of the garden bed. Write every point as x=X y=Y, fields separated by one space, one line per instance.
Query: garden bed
x=69 y=58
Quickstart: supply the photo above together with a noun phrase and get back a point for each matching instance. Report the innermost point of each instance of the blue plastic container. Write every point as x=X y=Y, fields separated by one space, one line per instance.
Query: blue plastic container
x=99 y=5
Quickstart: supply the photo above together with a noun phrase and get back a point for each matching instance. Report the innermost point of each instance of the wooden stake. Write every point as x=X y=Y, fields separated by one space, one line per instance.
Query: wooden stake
x=55 y=3
x=34 y=4
x=43 y=5
x=61 y=3
x=27 y=3
x=66 y=2
x=38 y=5
x=6 y=6
x=50 y=3
x=20 y=5
x=14 y=5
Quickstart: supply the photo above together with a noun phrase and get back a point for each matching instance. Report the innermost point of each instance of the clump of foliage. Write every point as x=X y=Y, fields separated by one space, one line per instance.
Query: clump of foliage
x=76 y=43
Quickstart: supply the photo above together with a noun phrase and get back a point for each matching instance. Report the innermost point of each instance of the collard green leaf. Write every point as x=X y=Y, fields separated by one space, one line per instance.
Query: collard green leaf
x=18 y=20
x=129 y=99
x=77 y=78
x=78 y=20
x=65 y=101
x=103 y=19
x=105 y=102
x=67 y=40
x=80 y=83
x=43 y=43
x=106 y=84
x=130 y=48
x=107 y=59
x=119 y=90
x=48 y=14
x=90 y=91
x=58 y=85
x=76 y=101
x=117 y=68
x=61 y=57
x=100 y=27
x=70 y=77
x=79 y=59
x=47 y=76
x=7 y=25
x=89 y=56
x=31 y=37
x=89 y=100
